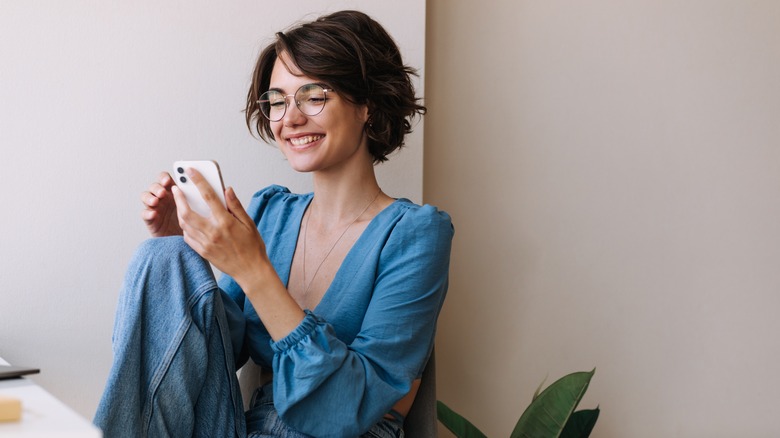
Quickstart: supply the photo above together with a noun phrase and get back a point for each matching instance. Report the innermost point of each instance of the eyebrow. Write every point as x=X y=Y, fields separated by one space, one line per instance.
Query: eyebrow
x=321 y=84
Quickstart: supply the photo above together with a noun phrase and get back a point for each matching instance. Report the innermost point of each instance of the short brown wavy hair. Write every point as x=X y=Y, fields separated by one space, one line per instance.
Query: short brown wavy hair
x=354 y=54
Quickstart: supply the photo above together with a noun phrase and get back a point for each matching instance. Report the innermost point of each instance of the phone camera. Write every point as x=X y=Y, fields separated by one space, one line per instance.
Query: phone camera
x=183 y=179
x=180 y=170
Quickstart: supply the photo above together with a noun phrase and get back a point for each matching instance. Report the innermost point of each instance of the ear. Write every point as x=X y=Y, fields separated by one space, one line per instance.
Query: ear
x=363 y=114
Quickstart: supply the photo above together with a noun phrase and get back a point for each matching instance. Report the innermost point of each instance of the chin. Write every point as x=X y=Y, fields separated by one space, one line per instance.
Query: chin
x=302 y=166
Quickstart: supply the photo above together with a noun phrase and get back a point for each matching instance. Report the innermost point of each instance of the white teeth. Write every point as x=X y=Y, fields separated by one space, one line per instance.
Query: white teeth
x=305 y=140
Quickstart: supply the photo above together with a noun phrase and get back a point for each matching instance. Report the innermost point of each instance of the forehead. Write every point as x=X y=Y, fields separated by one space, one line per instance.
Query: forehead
x=286 y=76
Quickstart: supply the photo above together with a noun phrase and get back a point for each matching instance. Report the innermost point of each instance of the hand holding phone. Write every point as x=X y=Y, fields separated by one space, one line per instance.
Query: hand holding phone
x=211 y=173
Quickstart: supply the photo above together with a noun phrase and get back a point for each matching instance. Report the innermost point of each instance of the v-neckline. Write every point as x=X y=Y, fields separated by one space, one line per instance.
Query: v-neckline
x=337 y=276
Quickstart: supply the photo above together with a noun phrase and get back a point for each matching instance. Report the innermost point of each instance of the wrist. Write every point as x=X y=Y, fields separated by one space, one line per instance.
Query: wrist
x=258 y=280
x=277 y=310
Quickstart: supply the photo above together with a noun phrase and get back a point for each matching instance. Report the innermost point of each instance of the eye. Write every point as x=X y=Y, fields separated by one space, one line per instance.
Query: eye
x=311 y=94
x=316 y=99
x=272 y=98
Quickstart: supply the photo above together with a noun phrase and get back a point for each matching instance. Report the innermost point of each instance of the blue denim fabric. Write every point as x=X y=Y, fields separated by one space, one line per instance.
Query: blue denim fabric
x=359 y=350
x=263 y=420
x=173 y=373
x=337 y=374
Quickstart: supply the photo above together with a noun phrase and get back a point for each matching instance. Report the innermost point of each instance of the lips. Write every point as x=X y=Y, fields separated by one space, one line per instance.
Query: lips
x=304 y=140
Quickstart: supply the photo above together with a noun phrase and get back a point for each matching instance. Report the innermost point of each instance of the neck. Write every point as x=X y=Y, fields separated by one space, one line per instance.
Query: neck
x=340 y=195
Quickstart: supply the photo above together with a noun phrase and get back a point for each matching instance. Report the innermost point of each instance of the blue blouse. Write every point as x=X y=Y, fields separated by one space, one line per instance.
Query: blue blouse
x=357 y=352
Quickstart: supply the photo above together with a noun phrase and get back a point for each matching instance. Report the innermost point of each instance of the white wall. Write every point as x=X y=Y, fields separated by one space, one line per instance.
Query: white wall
x=95 y=99
x=612 y=169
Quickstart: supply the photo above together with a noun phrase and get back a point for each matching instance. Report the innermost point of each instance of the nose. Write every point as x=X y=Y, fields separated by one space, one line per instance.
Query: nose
x=292 y=114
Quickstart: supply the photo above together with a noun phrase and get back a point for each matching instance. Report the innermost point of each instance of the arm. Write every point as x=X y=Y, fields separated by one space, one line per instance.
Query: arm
x=230 y=240
x=327 y=387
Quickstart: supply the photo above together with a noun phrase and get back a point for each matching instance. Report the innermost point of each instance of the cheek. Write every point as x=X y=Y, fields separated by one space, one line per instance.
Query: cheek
x=276 y=129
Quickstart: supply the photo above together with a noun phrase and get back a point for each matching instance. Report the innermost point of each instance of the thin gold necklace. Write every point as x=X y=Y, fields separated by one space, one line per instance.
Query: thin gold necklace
x=306 y=237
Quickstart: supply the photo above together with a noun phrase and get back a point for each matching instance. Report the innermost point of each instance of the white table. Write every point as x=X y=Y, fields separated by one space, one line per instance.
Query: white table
x=43 y=416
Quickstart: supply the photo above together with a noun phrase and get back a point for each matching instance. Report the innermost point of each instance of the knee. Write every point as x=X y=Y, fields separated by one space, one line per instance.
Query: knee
x=162 y=246
x=166 y=252
x=169 y=261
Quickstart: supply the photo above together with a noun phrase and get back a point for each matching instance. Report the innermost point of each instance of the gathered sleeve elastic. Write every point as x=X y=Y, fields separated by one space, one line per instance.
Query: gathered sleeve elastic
x=330 y=388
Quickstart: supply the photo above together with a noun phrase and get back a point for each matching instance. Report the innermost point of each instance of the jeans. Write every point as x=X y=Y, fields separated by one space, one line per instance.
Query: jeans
x=174 y=367
x=264 y=422
x=173 y=372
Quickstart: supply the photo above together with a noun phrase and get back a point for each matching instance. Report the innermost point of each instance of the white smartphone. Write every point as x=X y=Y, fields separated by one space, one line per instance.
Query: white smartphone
x=210 y=171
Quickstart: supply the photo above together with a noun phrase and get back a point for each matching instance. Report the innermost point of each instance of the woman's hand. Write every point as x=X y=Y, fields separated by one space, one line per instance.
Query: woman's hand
x=229 y=238
x=230 y=241
x=159 y=213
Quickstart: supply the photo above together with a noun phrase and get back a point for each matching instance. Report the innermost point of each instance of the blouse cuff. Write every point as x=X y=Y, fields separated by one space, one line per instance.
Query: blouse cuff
x=304 y=330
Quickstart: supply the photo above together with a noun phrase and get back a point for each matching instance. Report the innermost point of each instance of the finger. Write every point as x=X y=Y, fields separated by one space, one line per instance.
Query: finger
x=148 y=215
x=191 y=223
x=193 y=243
x=188 y=218
x=236 y=209
x=182 y=207
x=162 y=187
x=159 y=190
x=208 y=194
x=165 y=179
x=183 y=211
x=149 y=199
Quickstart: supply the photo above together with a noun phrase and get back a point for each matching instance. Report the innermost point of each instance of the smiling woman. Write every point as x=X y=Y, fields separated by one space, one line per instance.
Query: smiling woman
x=362 y=64
x=336 y=293
x=322 y=129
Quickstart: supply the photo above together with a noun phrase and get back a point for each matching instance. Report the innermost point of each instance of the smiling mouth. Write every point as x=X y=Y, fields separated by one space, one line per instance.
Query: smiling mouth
x=300 y=141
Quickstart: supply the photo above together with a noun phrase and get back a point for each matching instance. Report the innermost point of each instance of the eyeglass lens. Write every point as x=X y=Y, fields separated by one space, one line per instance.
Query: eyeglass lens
x=310 y=99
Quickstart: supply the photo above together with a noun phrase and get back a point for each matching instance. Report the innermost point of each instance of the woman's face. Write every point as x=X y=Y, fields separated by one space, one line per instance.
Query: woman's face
x=326 y=141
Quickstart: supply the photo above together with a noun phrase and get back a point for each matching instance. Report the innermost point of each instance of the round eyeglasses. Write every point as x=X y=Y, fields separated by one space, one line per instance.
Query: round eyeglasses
x=310 y=100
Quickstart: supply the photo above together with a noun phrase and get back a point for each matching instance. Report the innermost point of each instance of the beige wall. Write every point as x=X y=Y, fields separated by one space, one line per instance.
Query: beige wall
x=613 y=170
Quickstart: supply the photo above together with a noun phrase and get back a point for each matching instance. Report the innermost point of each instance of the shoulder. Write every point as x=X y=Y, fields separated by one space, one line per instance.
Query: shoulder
x=270 y=192
x=425 y=216
x=415 y=255
x=416 y=225
x=275 y=198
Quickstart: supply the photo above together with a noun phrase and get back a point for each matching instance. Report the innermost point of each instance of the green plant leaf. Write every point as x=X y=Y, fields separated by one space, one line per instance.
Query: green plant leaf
x=547 y=415
x=580 y=424
x=539 y=388
x=458 y=425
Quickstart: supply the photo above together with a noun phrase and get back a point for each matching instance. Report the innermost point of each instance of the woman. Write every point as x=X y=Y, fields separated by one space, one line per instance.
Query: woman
x=336 y=292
